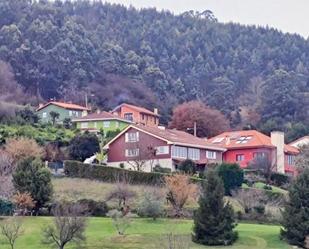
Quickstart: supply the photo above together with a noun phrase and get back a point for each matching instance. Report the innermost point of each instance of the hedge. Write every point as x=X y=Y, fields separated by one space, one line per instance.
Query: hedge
x=110 y=174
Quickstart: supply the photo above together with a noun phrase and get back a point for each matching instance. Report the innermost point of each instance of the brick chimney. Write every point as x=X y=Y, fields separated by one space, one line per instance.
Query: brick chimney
x=277 y=139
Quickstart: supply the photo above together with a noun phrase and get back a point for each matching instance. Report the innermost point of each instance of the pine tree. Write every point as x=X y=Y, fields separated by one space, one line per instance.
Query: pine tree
x=296 y=213
x=214 y=219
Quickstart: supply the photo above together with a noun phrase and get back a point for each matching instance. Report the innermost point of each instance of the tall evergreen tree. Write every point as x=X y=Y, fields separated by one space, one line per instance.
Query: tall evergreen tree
x=214 y=219
x=296 y=213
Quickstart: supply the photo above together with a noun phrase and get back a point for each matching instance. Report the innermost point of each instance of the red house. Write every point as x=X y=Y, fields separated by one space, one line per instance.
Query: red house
x=136 y=114
x=245 y=146
x=140 y=147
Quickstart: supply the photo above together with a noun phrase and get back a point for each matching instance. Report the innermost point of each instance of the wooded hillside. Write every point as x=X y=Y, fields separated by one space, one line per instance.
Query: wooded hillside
x=63 y=49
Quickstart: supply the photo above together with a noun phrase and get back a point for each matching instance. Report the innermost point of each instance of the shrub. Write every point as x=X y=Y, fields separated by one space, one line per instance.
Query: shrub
x=93 y=208
x=121 y=221
x=107 y=174
x=160 y=169
x=32 y=177
x=187 y=166
x=279 y=179
x=232 y=176
x=151 y=205
x=6 y=207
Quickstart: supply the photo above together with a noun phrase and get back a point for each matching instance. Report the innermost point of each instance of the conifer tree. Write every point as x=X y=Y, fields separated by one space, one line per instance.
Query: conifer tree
x=214 y=219
x=296 y=213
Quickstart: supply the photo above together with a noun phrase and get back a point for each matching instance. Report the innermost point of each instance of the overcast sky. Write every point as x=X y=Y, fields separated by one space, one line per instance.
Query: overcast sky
x=287 y=15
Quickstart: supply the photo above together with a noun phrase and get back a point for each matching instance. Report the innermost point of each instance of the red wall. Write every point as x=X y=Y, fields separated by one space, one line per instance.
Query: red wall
x=117 y=149
x=230 y=155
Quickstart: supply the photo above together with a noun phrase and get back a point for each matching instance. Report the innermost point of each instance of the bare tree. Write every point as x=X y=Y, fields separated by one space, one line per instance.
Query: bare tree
x=6 y=169
x=121 y=192
x=120 y=219
x=69 y=226
x=11 y=230
x=179 y=191
x=265 y=165
x=249 y=198
x=140 y=155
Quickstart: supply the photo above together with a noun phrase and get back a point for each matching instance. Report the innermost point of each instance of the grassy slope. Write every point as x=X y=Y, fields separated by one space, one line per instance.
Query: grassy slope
x=146 y=234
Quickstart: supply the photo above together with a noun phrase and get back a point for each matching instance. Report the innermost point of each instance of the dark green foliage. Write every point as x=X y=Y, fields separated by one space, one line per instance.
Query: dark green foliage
x=84 y=146
x=187 y=166
x=232 y=176
x=31 y=176
x=279 y=179
x=54 y=116
x=58 y=48
x=110 y=174
x=6 y=207
x=160 y=169
x=296 y=213
x=27 y=116
x=214 y=219
x=93 y=208
x=67 y=123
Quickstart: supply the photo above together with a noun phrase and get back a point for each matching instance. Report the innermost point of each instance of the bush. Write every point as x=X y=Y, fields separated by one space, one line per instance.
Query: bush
x=151 y=205
x=110 y=174
x=232 y=176
x=187 y=166
x=6 y=207
x=279 y=179
x=93 y=208
x=159 y=169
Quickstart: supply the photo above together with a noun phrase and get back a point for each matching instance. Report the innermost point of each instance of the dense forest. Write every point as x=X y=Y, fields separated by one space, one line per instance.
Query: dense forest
x=257 y=77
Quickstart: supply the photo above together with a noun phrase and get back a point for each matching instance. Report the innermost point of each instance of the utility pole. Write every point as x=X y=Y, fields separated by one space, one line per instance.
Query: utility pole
x=86 y=100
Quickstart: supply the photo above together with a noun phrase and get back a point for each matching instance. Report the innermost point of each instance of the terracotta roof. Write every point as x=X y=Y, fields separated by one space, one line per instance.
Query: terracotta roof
x=246 y=139
x=174 y=137
x=100 y=116
x=65 y=105
x=137 y=108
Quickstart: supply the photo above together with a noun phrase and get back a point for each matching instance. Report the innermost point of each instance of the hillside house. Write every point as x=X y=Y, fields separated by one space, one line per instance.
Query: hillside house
x=300 y=142
x=243 y=147
x=137 y=115
x=65 y=110
x=143 y=147
x=101 y=120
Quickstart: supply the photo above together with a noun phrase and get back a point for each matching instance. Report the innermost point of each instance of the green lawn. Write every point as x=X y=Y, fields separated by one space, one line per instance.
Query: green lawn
x=147 y=234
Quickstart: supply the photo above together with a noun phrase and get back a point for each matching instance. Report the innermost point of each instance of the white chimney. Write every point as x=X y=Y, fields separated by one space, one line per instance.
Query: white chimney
x=161 y=127
x=277 y=139
x=98 y=111
x=155 y=110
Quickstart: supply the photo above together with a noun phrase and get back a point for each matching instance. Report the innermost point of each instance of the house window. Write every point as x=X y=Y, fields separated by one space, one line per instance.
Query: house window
x=84 y=125
x=179 y=152
x=132 y=152
x=44 y=115
x=76 y=114
x=106 y=124
x=211 y=154
x=291 y=159
x=240 y=157
x=117 y=124
x=259 y=155
x=160 y=150
x=194 y=154
x=132 y=137
x=128 y=116
x=70 y=113
x=95 y=124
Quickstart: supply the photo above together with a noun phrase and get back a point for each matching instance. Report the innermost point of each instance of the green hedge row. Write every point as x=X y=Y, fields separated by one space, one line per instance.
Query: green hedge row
x=110 y=174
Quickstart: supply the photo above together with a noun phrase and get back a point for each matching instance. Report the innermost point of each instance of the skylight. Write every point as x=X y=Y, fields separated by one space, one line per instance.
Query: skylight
x=218 y=140
x=243 y=139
